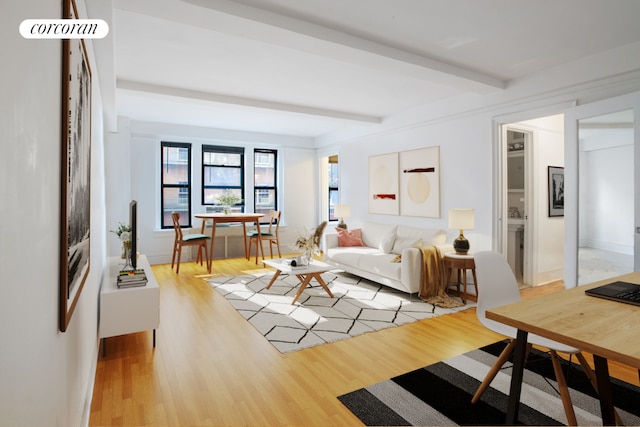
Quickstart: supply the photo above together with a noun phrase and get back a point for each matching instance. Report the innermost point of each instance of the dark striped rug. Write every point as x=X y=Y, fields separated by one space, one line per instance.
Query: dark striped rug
x=440 y=395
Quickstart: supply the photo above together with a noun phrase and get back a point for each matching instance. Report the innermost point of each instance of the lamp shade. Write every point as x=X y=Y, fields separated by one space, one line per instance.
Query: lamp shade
x=342 y=210
x=461 y=219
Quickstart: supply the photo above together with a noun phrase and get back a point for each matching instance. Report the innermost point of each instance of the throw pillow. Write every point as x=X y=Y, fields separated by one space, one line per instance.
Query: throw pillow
x=349 y=237
x=401 y=244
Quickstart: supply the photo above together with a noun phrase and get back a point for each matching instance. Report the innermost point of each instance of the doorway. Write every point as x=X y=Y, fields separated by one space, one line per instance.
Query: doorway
x=532 y=239
x=602 y=198
x=517 y=144
x=605 y=245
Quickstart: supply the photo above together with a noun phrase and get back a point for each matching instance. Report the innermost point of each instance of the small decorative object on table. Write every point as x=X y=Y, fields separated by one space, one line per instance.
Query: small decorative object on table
x=228 y=199
x=124 y=234
x=309 y=243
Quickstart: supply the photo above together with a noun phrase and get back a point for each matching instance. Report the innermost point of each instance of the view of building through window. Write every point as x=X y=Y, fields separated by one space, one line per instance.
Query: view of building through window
x=334 y=196
x=265 y=196
x=222 y=171
x=176 y=183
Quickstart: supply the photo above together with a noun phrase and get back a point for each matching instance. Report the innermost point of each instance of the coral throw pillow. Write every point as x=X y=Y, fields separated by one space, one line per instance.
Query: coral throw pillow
x=349 y=237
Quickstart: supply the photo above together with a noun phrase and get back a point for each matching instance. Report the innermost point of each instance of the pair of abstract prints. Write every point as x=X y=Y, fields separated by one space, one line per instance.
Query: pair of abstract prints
x=405 y=183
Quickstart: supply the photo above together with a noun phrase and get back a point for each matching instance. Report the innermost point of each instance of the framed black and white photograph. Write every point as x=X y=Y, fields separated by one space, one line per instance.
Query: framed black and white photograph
x=556 y=190
x=75 y=204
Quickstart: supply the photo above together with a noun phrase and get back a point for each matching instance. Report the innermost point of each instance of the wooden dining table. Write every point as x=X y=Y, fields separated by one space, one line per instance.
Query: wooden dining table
x=222 y=218
x=606 y=329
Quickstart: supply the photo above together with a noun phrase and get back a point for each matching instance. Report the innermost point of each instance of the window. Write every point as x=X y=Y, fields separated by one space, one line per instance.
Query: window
x=176 y=183
x=333 y=186
x=222 y=170
x=264 y=177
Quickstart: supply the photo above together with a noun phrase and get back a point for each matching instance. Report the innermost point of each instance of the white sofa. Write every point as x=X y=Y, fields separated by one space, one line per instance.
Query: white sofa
x=383 y=243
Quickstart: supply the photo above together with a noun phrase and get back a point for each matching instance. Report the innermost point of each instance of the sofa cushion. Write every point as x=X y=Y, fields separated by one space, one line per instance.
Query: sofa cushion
x=381 y=264
x=380 y=236
x=350 y=256
x=405 y=242
x=429 y=236
x=348 y=238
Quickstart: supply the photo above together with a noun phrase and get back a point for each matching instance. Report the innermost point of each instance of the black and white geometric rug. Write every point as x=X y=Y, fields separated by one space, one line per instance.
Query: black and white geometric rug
x=440 y=395
x=359 y=306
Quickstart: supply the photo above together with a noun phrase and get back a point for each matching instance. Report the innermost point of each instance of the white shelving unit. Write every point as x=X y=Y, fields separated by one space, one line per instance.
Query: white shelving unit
x=128 y=310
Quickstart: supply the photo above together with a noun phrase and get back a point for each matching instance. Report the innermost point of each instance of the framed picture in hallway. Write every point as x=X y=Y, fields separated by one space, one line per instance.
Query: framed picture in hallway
x=556 y=190
x=75 y=208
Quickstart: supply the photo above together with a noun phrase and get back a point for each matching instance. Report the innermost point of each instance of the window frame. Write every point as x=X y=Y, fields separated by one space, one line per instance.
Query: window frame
x=333 y=189
x=209 y=148
x=273 y=187
x=180 y=187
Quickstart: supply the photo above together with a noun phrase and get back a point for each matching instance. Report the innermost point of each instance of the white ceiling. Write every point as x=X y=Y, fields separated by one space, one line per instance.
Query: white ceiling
x=309 y=67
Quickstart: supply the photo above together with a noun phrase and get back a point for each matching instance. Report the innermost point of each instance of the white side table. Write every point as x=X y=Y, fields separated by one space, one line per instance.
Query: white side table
x=128 y=310
x=462 y=263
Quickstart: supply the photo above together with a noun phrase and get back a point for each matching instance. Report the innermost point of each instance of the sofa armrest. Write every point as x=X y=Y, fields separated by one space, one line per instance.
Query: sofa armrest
x=330 y=241
x=411 y=267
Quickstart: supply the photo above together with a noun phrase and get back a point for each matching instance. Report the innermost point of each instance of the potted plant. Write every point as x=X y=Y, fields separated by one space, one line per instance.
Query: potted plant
x=228 y=199
x=124 y=234
x=309 y=243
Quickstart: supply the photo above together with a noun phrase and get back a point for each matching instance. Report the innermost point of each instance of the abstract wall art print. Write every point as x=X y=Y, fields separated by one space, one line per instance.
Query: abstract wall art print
x=420 y=182
x=383 y=184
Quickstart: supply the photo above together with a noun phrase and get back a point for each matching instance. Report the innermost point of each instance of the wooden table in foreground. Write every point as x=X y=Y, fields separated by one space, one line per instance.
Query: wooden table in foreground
x=312 y=271
x=219 y=218
x=607 y=329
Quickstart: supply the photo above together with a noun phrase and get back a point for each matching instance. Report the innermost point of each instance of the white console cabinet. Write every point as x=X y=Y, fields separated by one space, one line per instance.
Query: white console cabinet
x=128 y=310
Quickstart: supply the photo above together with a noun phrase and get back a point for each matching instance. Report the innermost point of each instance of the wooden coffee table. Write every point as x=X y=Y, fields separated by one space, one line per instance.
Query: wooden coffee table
x=304 y=274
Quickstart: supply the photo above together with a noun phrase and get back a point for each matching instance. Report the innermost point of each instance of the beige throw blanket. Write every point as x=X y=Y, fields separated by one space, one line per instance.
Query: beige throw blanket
x=432 y=286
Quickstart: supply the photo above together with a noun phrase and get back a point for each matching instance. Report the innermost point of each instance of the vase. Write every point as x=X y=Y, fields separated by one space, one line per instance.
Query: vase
x=125 y=250
x=307 y=257
x=226 y=210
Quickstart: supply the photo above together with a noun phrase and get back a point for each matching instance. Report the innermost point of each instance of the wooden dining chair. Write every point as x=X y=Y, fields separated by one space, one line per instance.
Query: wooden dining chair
x=270 y=235
x=181 y=240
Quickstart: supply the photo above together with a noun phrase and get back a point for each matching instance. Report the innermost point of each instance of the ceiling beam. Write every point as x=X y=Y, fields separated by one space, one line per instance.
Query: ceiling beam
x=330 y=35
x=269 y=27
x=246 y=102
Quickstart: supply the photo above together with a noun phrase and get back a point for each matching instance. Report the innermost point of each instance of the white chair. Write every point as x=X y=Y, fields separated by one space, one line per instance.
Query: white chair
x=497 y=286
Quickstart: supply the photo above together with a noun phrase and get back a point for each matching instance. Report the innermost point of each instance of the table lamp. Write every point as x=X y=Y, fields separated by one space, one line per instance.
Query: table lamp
x=342 y=211
x=461 y=219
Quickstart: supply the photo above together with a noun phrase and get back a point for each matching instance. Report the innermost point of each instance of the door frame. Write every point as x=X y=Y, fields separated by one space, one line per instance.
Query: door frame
x=500 y=190
x=571 y=233
x=530 y=259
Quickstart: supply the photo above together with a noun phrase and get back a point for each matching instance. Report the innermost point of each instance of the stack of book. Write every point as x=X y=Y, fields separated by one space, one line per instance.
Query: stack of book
x=132 y=278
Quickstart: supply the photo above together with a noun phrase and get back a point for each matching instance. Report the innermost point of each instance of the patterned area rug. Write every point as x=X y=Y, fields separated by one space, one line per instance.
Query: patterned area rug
x=359 y=306
x=440 y=395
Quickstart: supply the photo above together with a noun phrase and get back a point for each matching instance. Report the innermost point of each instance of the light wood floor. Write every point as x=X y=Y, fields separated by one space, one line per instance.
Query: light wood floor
x=211 y=367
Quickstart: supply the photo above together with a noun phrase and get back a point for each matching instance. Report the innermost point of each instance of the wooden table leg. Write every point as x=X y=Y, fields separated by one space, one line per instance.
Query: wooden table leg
x=604 y=390
x=273 y=279
x=213 y=238
x=303 y=285
x=244 y=236
x=519 y=356
x=319 y=279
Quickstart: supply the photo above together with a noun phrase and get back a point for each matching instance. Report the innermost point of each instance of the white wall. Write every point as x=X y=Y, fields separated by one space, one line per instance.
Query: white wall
x=465 y=178
x=133 y=172
x=46 y=376
x=606 y=198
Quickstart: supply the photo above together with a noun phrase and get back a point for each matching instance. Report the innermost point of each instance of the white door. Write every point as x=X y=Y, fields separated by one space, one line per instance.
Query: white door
x=602 y=200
